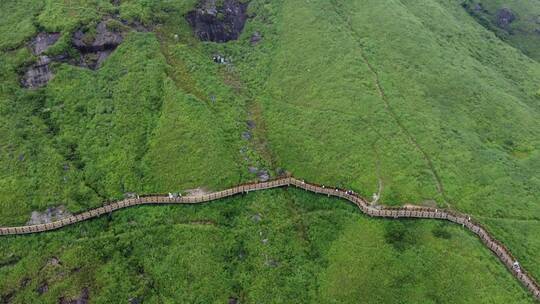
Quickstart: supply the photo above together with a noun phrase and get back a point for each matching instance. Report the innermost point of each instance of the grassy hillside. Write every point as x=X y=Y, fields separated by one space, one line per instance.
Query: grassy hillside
x=91 y=136
x=281 y=246
x=419 y=96
x=422 y=102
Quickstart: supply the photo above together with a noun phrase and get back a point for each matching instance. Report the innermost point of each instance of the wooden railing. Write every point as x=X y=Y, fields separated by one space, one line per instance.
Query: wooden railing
x=504 y=255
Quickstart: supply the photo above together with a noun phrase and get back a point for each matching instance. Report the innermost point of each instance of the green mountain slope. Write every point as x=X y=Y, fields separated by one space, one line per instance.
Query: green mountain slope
x=458 y=122
x=422 y=102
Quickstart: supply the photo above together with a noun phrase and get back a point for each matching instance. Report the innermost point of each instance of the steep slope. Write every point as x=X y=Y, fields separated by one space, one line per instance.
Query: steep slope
x=451 y=110
x=415 y=101
x=89 y=136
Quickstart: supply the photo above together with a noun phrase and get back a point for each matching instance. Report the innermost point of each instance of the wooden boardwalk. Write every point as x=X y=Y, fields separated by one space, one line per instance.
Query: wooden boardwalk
x=504 y=255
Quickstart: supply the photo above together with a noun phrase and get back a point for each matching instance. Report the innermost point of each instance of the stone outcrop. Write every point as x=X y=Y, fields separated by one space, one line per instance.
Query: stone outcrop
x=218 y=23
x=103 y=39
x=96 y=46
x=42 y=42
x=39 y=73
x=50 y=215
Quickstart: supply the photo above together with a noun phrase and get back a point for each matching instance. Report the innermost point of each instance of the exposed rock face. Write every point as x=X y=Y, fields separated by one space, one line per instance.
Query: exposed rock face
x=211 y=22
x=504 y=17
x=96 y=47
x=43 y=41
x=48 y=216
x=39 y=73
x=94 y=60
x=103 y=40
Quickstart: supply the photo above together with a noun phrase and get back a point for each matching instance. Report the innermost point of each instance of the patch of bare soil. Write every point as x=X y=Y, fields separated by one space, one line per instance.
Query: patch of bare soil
x=423 y=204
x=50 y=215
x=196 y=192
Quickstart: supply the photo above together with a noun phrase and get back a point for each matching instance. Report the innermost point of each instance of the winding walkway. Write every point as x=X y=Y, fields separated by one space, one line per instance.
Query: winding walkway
x=504 y=255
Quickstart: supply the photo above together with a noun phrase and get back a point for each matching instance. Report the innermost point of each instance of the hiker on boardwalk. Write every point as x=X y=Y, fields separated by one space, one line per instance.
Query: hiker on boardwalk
x=516 y=266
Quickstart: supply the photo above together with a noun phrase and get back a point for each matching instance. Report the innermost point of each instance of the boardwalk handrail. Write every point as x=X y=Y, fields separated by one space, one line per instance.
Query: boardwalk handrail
x=504 y=255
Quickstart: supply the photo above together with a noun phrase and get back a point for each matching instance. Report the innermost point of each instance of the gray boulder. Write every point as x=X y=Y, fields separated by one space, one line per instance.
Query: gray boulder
x=50 y=215
x=42 y=42
x=218 y=23
x=96 y=47
x=38 y=74
x=102 y=40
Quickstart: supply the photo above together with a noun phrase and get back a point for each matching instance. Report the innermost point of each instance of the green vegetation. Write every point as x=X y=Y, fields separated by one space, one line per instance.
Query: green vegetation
x=91 y=136
x=460 y=104
x=280 y=246
x=418 y=100
x=16 y=22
